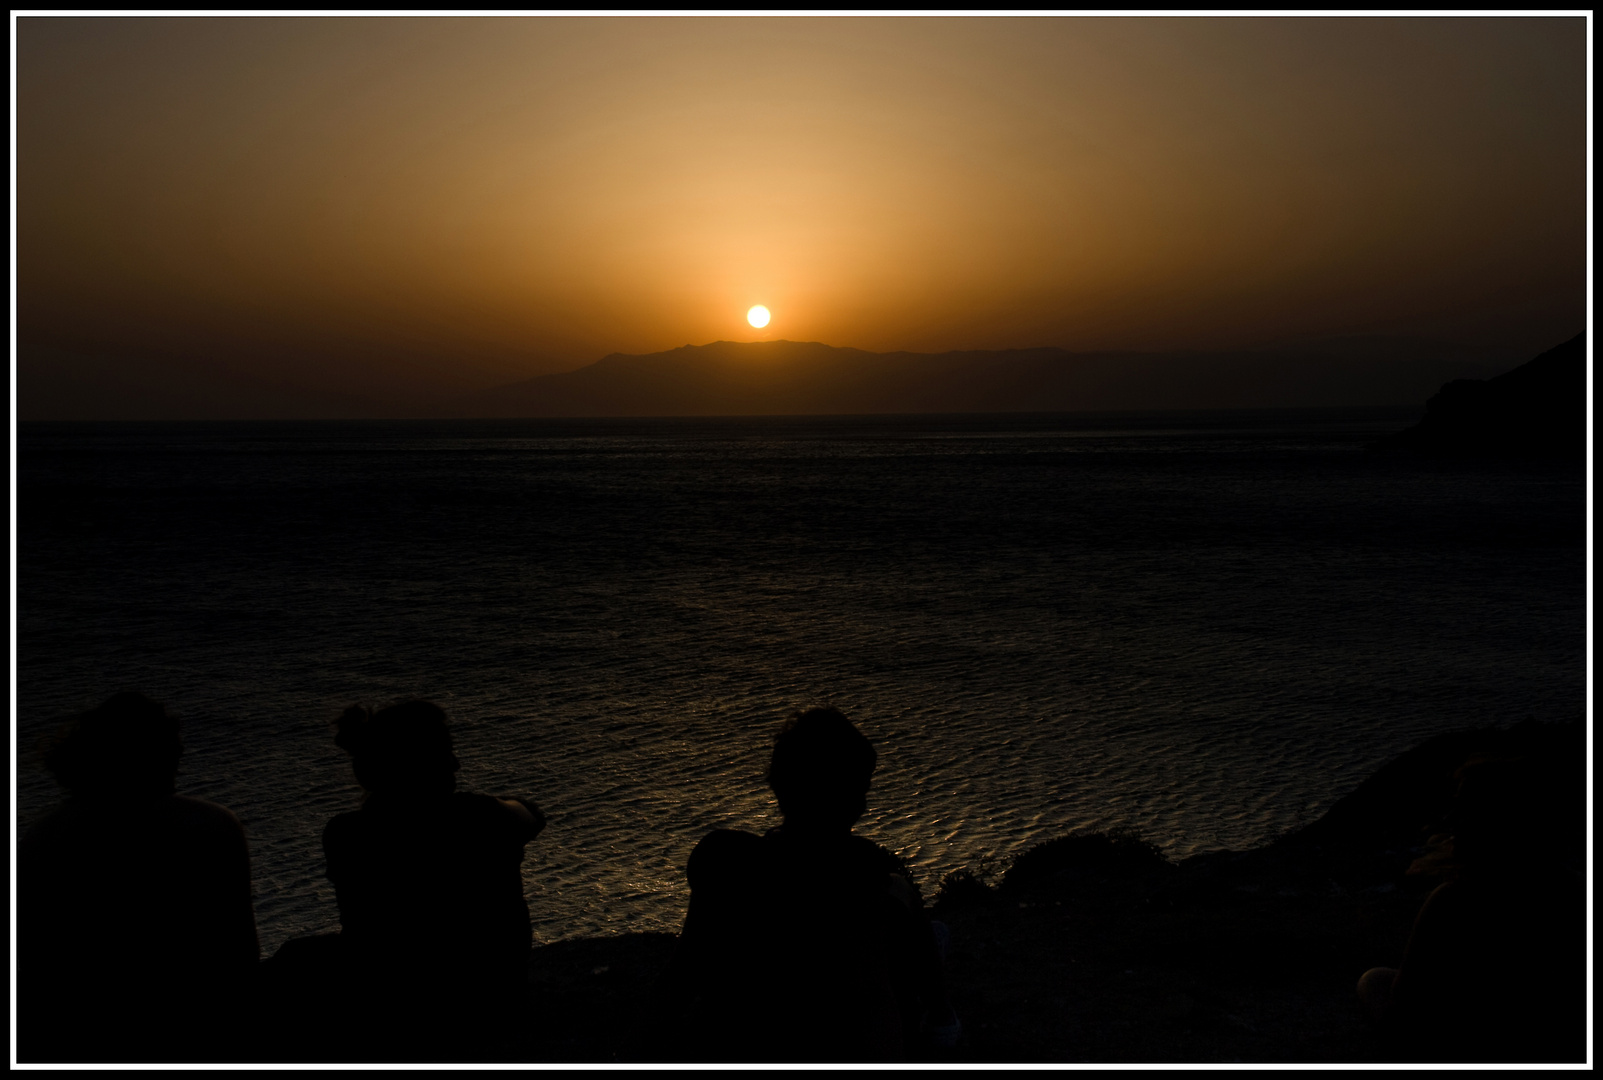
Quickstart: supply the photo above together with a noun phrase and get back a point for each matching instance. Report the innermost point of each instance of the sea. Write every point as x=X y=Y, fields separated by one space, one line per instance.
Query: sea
x=1203 y=628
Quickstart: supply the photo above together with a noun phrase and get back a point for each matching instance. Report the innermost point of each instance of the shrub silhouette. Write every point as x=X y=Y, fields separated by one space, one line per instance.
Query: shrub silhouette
x=1069 y=860
x=967 y=887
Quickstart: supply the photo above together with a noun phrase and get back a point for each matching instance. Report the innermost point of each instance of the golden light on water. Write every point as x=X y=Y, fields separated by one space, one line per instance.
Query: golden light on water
x=758 y=316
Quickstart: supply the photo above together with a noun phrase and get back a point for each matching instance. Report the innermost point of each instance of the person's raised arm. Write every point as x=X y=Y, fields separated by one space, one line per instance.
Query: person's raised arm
x=527 y=814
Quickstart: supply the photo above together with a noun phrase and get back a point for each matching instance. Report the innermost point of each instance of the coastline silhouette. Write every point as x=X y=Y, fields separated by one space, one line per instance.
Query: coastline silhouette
x=1537 y=410
x=166 y=975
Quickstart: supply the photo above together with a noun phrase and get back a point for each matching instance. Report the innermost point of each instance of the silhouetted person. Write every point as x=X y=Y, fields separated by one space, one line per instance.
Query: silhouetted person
x=1495 y=967
x=136 y=938
x=435 y=933
x=808 y=943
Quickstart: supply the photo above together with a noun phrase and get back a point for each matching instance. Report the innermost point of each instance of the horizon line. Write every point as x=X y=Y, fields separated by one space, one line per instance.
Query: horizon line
x=1225 y=411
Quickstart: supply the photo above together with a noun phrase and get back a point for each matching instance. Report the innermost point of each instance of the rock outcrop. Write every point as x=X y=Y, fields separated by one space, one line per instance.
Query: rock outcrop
x=1538 y=410
x=1094 y=948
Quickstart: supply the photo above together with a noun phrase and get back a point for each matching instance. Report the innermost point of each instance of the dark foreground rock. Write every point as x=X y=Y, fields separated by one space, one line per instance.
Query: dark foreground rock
x=1537 y=410
x=1097 y=949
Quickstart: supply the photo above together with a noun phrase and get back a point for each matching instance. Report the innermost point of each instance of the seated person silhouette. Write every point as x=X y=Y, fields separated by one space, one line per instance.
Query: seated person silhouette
x=808 y=943
x=435 y=929
x=136 y=939
x=1495 y=967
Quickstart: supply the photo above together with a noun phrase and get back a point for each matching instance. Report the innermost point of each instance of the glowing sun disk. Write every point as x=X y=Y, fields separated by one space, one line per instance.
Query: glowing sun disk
x=758 y=316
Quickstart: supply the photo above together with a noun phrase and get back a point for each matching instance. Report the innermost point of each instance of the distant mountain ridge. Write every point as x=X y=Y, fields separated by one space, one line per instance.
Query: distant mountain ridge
x=727 y=378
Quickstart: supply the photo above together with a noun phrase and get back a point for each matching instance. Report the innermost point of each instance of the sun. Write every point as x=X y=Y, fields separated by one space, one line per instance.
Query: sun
x=758 y=316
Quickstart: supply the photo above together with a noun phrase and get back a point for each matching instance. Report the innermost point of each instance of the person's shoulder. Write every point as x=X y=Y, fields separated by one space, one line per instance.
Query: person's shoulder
x=473 y=804
x=203 y=819
x=881 y=858
x=723 y=843
x=202 y=811
x=1447 y=901
x=729 y=840
x=67 y=820
x=473 y=807
x=882 y=861
x=490 y=818
x=344 y=827
x=720 y=855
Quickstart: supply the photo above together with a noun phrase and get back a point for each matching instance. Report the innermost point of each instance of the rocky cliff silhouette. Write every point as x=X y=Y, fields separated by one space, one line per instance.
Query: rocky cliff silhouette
x=808 y=378
x=1536 y=410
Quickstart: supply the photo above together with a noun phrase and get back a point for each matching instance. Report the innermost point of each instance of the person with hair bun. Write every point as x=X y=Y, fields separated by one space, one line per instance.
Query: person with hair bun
x=136 y=937
x=434 y=938
x=428 y=879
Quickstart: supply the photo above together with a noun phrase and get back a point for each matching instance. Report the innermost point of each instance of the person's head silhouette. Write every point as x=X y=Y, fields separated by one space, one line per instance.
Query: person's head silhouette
x=402 y=750
x=127 y=746
x=820 y=771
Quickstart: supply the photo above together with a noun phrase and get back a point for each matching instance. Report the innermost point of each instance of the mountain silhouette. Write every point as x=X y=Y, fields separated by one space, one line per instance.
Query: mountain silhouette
x=1536 y=410
x=729 y=378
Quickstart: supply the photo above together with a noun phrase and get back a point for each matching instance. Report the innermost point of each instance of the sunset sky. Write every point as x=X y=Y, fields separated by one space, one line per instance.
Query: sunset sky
x=407 y=207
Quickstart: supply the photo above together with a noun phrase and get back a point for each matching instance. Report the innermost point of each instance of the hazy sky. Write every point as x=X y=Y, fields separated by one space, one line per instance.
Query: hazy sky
x=437 y=204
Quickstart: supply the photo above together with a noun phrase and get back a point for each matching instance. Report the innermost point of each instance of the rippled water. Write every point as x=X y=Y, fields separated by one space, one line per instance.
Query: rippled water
x=1203 y=627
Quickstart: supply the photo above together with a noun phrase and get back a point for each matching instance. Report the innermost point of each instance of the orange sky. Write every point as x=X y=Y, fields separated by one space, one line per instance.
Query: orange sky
x=433 y=205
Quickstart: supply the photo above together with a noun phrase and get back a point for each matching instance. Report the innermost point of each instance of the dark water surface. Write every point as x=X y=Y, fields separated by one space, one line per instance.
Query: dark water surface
x=1204 y=627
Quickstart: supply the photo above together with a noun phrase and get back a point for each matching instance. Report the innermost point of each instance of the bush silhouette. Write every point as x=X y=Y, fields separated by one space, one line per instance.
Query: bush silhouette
x=1069 y=860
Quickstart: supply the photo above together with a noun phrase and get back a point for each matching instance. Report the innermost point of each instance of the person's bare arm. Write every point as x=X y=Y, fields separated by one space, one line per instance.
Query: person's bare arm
x=528 y=815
